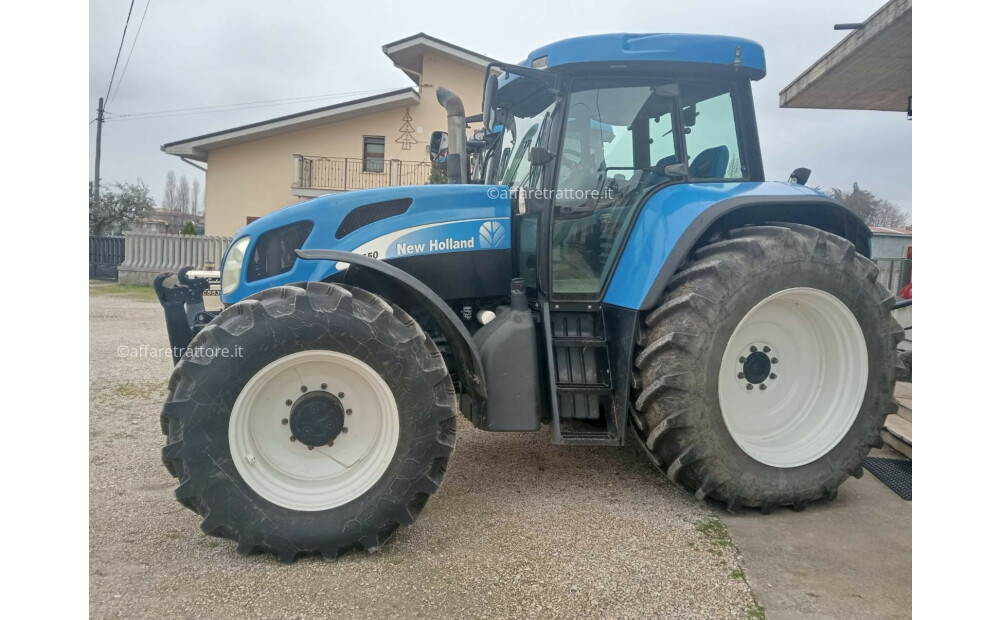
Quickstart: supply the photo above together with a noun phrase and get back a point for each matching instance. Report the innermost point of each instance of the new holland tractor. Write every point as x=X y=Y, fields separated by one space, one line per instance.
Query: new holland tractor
x=606 y=259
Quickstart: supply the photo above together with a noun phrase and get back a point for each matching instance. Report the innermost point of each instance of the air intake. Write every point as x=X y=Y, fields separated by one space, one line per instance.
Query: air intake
x=371 y=213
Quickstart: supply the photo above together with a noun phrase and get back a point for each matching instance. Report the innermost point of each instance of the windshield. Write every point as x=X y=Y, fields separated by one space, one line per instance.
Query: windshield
x=525 y=111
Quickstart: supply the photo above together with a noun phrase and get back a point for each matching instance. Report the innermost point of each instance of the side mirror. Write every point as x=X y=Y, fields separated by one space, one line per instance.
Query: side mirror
x=539 y=156
x=489 y=97
x=689 y=115
x=438 y=148
x=800 y=176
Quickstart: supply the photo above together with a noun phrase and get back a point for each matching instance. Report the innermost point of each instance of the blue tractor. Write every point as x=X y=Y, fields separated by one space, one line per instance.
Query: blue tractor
x=606 y=259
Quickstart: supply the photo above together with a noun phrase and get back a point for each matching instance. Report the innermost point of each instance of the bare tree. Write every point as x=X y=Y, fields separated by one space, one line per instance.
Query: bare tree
x=873 y=210
x=170 y=192
x=183 y=195
x=120 y=204
x=195 y=195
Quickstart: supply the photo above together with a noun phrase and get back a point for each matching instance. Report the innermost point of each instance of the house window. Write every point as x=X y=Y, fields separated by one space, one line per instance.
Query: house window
x=374 y=154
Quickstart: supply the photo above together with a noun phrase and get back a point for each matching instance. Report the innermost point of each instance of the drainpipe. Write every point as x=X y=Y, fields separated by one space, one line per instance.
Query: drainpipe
x=458 y=162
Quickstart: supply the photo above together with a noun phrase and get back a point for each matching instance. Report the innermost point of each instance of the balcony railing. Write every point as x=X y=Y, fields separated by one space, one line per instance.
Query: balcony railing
x=344 y=174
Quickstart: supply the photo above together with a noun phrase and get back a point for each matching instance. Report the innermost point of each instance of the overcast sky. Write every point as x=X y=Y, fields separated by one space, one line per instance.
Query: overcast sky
x=193 y=53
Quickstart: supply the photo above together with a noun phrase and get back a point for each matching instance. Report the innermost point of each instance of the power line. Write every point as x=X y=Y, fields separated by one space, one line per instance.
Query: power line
x=232 y=107
x=130 y=50
x=120 y=46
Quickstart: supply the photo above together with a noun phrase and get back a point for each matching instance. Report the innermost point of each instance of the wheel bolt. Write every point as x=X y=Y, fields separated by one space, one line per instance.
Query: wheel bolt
x=767 y=349
x=739 y=375
x=303 y=388
x=288 y=403
x=349 y=411
x=340 y=394
x=774 y=360
x=753 y=349
x=310 y=447
x=322 y=386
x=345 y=430
x=749 y=386
x=292 y=439
x=774 y=376
x=330 y=444
x=763 y=387
x=743 y=360
x=284 y=420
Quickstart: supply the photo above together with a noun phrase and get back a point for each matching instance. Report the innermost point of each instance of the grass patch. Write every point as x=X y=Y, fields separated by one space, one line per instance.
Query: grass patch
x=756 y=612
x=126 y=291
x=737 y=574
x=715 y=532
x=136 y=390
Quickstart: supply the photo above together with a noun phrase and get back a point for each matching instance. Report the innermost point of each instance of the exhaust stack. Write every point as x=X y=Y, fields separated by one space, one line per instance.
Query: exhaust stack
x=458 y=161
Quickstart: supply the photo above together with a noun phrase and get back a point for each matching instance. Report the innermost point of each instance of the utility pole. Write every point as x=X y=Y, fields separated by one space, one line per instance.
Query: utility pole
x=97 y=159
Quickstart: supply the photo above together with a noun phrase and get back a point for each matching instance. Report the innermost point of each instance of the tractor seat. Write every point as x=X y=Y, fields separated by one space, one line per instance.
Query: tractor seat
x=710 y=163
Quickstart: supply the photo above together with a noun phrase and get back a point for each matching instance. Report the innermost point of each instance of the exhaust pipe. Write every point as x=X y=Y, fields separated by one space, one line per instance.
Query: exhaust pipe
x=458 y=161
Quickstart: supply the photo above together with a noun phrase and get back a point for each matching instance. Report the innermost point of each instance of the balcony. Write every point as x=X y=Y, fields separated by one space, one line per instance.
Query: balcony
x=316 y=176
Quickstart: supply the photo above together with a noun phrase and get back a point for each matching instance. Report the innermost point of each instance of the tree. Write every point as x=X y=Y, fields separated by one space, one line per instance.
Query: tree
x=120 y=204
x=183 y=195
x=873 y=210
x=195 y=195
x=189 y=228
x=170 y=192
x=438 y=173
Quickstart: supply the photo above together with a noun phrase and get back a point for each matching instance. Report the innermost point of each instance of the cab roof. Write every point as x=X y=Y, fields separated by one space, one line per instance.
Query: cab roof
x=662 y=47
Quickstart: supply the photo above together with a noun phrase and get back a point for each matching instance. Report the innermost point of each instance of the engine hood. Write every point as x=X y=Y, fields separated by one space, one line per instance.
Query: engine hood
x=383 y=223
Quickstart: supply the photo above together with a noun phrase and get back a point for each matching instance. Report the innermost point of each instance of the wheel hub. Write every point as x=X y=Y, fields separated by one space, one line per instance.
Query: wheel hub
x=317 y=418
x=757 y=367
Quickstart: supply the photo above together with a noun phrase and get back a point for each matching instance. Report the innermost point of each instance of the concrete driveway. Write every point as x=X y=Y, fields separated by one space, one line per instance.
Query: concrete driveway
x=850 y=558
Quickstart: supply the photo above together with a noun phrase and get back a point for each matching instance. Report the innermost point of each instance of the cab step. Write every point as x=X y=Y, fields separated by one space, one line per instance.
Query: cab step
x=581 y=388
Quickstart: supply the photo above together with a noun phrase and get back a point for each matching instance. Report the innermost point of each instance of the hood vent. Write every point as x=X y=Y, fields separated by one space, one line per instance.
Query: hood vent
x=371 y=213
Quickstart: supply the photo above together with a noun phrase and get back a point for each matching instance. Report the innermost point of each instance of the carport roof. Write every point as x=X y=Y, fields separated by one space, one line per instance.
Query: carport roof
x=871 y=69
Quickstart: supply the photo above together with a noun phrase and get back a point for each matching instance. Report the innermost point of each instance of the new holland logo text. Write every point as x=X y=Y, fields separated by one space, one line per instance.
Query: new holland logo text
x=435 y=245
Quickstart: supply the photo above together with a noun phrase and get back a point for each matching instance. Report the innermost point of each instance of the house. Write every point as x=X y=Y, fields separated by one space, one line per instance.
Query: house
x=161 y=220
x=374 y=141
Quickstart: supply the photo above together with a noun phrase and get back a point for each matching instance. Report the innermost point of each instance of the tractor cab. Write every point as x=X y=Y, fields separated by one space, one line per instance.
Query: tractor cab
x=584 y=140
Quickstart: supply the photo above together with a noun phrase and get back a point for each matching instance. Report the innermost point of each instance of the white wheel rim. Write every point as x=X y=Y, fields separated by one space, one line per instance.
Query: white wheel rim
x=288 y=473
x=811 y=395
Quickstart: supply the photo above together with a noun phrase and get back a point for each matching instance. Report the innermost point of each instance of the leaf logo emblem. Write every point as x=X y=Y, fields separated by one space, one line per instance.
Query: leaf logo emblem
x=491 y=234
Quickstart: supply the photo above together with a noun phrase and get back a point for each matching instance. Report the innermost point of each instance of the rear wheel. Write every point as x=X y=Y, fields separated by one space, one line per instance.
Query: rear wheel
x=310 y=419
x=768 y=368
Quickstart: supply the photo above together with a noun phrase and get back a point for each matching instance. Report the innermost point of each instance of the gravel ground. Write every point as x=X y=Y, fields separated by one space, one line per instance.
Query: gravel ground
x=521 y=528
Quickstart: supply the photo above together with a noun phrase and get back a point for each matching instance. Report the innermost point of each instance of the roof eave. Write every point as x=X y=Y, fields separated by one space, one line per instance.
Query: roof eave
x=197 y=148
x=397 y=52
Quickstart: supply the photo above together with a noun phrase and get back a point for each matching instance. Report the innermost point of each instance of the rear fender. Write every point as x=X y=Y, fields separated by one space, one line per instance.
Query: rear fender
x=649 y=261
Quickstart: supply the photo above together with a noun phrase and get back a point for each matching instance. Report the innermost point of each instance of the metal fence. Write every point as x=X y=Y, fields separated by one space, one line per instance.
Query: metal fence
x=344 y=174
x=894 y=273
x=106 y=253
x=147 y=254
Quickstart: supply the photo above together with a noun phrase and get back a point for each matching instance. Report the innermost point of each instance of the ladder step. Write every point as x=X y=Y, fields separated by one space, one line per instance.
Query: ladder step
x=578 y=341
x=586 y=438
x=582 y=388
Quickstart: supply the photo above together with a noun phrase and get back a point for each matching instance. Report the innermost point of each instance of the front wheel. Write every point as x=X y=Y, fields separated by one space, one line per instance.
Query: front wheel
x=768 y=368
x=312 y=419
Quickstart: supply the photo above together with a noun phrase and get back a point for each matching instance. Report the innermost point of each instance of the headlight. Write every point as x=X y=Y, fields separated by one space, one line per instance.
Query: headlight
x=234 y=264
